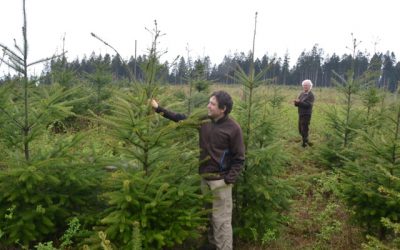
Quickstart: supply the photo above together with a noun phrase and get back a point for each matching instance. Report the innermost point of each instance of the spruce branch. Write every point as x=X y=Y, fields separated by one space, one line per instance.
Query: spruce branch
x=16 y=62
x=12 y=118
x=16 y=68
x=105 y=43
x=17 y=47
x=8 y=51
x=47 y=59
x=130 y=75
x=341 y=78
x=2 y=57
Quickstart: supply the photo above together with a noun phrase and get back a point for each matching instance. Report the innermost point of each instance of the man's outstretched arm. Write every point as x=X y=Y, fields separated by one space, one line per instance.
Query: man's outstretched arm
x=176 y=117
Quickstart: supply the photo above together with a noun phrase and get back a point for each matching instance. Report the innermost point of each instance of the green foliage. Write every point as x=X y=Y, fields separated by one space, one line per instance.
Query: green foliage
x=155 y=199
x=158 y=191
x=152 y=200
x=196 y=100
x=92 y=94
x=370 y=98
x=393 y=241
x=263 y=197
x=136 y=237
x=374 y=244
x=197 y=80
x=333 y=152
x=61 y=74
x=43 y=177
x=45 y=246
x=366 y=179
x=329 y=225
x=202 y=85
x=43 y=194
x=318 y=215
x=343 y=122
x=66 y=238
x=199 y=100
x=73 y=228
x=361 y=188
x=106 y=244
x=269 y=236
x=21 y=126
x=179 y=95
x=260 y=195
x=277 y=98
x=167 y=210
x=99 y=79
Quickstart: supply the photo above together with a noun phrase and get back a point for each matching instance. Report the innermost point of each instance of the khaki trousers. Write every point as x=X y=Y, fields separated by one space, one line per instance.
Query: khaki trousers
x=220 y=231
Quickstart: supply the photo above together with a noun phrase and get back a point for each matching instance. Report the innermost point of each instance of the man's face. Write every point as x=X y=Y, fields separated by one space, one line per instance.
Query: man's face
x=214 y=111
x=306 y=87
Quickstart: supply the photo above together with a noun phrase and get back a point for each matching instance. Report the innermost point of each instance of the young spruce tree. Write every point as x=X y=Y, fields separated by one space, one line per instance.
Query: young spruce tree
x=370 y=181
x=342 y=120
x=155 y=191
x=44 y=180
x=260 y=196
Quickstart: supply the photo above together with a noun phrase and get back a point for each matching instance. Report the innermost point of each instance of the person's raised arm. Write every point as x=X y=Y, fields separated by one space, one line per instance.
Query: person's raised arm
x=176 y=117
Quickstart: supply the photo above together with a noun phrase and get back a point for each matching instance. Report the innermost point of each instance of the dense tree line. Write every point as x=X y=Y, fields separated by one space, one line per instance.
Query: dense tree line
x=311 y=64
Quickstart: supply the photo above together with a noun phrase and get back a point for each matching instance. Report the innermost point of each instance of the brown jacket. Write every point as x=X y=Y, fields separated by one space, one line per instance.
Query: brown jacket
x=221 y=147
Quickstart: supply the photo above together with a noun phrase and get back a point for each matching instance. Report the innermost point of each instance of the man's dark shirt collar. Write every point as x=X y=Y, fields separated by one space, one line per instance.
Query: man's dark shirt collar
x=220 y=120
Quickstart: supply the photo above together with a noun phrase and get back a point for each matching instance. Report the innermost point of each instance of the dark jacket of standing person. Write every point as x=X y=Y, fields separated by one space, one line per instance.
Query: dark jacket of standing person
x=221 y=147
x=305 y=104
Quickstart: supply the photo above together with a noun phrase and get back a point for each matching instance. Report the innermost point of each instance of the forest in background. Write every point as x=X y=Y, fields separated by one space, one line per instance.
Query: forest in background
x=311 y=64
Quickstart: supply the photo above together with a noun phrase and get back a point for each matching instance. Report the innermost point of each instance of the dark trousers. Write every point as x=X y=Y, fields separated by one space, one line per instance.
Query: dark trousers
x=304 y=122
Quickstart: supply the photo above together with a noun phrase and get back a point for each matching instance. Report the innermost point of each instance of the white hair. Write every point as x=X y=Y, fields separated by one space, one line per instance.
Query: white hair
x=307 y=81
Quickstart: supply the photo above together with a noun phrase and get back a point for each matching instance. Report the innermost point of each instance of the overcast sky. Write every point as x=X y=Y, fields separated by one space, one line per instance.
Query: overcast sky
x=208 y=27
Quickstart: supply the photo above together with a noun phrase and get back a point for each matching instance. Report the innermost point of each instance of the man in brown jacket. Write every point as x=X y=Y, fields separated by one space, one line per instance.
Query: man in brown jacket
x=221 y=160
x=305 y=103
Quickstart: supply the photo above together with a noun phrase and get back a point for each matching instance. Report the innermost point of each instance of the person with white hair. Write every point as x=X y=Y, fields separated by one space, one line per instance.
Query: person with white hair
x=305 y=103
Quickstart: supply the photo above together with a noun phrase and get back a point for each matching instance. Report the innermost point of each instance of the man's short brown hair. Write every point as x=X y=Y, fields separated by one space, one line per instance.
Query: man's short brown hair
x=224 y=100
